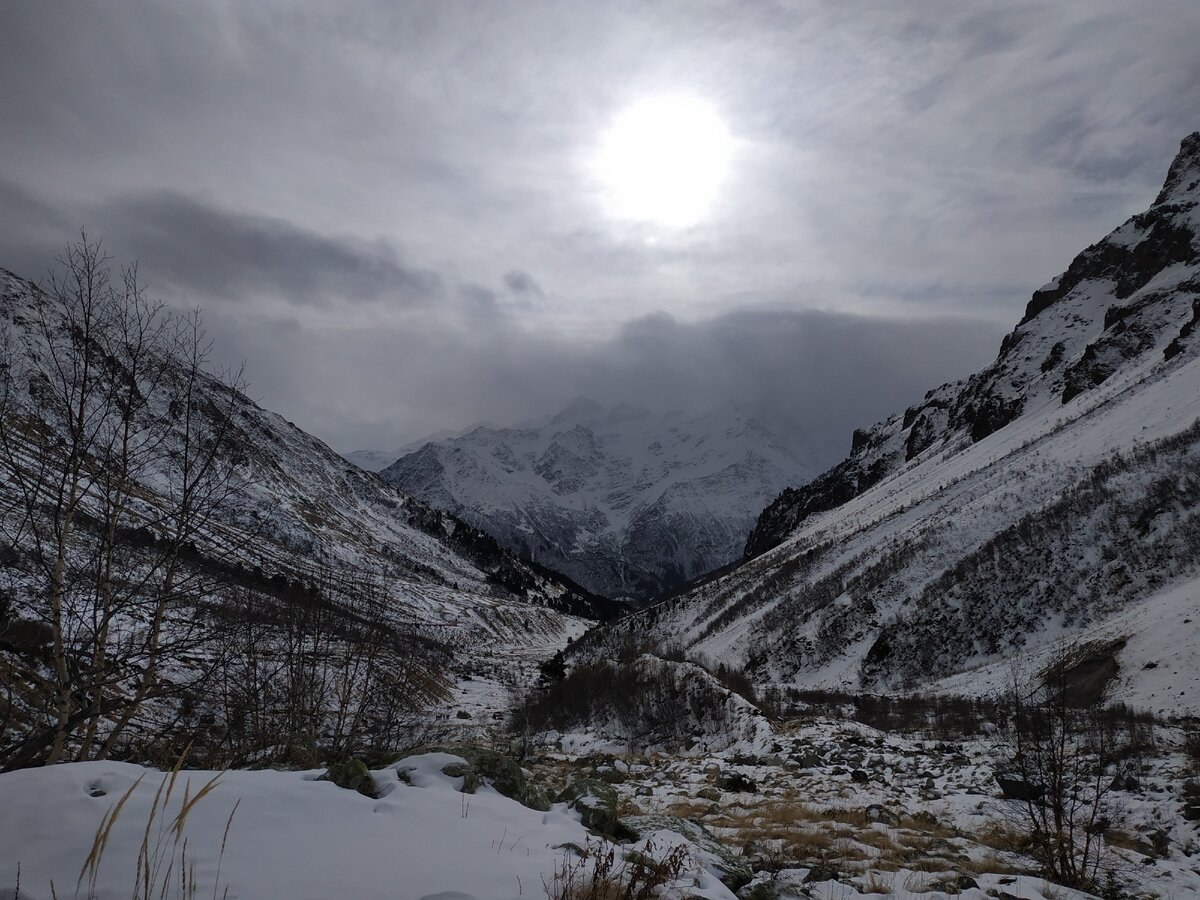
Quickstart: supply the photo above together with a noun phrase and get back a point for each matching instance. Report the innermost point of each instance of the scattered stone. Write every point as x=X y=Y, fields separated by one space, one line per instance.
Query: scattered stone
x=858 y=776
x=877 y=813
x=822 y=871
x=352 y=775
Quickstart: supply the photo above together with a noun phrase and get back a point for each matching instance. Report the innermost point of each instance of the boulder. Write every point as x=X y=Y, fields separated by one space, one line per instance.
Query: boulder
x=737 y=783
x=733 y=870
x=1013 y=787
x=352 y=775
x=596 y=803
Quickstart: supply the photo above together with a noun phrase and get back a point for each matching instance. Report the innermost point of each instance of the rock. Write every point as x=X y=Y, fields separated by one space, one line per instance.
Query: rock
x=822 y=871
x=809 y=761
x=352 y=775
x=1191 y=800
x=611 y=776
x=462 y=714
x=596 y=803
x=737 y=783
x=1012 y=787
x=877 y=813
x=708 y=793
x=858 y=776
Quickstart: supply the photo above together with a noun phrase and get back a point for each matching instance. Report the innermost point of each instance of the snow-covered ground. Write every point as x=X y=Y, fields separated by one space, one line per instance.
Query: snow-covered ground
x=292 y=836
x=821 y=809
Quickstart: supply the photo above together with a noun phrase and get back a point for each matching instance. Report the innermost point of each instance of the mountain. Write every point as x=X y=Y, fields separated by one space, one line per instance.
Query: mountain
x=1050 y=499
x=299 y=511
x=623 y=501
x=378 y=460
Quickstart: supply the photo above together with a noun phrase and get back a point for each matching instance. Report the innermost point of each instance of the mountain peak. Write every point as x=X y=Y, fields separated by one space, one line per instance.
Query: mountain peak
x=1183 y=178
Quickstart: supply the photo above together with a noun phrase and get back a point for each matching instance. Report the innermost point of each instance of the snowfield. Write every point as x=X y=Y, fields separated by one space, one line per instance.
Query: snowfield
x=296 y=837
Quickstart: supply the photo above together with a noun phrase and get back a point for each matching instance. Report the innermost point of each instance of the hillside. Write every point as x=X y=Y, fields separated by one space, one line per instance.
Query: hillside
x=1050 y=498
x=296 y=532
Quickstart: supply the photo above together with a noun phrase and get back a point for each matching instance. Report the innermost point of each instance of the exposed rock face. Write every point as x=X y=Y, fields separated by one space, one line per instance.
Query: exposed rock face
x=1110 y=308
x=621 y=500
x=1056 y=492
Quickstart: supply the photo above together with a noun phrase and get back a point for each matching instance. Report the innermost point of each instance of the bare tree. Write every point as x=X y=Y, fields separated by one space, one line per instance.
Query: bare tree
x=1065 y=754
x=103 y=394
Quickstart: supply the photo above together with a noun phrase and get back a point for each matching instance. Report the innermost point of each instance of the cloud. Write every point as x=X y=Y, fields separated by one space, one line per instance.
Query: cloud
x=225 y=255
x=815 y=375
x=371 y=201
x=522 y=283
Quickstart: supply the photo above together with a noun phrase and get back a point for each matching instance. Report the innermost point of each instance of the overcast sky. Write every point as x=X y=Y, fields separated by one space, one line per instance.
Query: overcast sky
x=391 y=210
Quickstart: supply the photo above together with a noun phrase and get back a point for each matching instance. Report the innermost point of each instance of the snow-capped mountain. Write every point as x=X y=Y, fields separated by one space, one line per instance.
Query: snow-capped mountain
x=1052 y=497
x=300 y=510
x=623 y=501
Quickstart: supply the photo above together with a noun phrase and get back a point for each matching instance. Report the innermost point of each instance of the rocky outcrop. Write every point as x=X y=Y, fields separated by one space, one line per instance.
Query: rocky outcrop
x=1120 y=301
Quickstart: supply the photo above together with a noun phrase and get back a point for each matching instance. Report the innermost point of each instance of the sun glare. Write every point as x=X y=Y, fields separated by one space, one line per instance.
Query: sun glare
x=663 y=160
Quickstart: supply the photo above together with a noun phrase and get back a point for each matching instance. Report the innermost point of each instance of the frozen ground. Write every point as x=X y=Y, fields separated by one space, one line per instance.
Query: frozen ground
x=829 y=810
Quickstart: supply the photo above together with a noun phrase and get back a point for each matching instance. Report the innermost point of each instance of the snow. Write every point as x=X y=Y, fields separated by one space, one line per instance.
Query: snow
x=611 y=495
x=296 y=837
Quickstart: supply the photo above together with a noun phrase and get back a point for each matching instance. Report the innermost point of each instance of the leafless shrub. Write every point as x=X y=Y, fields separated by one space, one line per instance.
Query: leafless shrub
x=1066 y=758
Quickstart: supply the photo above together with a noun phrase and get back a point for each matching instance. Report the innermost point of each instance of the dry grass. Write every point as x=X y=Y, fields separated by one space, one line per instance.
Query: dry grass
x=999 y=835
x=600 y=873
x=163 y=867
x=991 y=863
x=876 y=883
x=690 y=809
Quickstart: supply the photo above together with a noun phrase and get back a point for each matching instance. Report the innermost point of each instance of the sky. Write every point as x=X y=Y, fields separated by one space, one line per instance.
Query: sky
x=395 y=215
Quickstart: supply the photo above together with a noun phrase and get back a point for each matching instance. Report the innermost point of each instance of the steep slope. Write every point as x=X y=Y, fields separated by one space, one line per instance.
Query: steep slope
x=1039 y=501
x=623 y=501
x=300 y=511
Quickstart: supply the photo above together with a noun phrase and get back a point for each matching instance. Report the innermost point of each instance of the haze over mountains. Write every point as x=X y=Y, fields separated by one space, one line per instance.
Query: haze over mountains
x=624 y=501
x=1052 y=496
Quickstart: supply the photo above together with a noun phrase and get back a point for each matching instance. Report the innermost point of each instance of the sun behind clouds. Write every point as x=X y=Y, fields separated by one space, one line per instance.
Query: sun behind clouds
x=663 y=160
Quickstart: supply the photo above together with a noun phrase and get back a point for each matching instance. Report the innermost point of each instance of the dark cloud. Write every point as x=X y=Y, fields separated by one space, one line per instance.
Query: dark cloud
x=358 y=193
x=520 y=282
x=225 y=255
x=815 y=374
